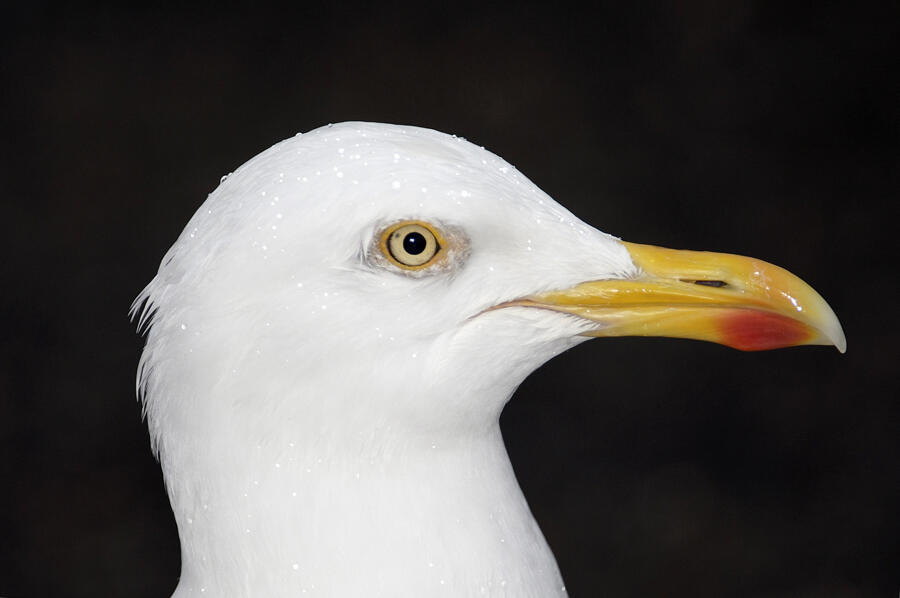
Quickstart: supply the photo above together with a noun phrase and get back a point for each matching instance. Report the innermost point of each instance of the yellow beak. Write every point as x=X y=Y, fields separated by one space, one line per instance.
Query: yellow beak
x=733 y=300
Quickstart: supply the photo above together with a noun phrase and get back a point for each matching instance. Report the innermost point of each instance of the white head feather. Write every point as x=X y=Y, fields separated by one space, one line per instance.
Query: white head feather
x=327 y=422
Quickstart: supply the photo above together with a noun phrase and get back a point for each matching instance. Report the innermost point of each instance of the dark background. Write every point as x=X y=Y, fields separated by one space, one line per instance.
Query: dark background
x=656 y=467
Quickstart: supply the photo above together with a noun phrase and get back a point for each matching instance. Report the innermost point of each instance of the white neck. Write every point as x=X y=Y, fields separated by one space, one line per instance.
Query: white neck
x=427 y=521
x=395 y=484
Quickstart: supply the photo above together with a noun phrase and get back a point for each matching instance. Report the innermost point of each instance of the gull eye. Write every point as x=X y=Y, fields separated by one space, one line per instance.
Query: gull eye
x=411 y=245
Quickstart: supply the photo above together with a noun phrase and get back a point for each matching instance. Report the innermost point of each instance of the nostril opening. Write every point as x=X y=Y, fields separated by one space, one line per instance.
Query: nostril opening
x=711 y=283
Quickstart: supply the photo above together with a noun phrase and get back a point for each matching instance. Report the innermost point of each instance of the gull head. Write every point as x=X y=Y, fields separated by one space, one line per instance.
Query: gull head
x=367 y=296
x=299 y=285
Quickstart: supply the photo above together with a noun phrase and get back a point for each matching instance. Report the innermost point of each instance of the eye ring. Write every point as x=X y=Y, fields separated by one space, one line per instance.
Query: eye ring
x=411 y=244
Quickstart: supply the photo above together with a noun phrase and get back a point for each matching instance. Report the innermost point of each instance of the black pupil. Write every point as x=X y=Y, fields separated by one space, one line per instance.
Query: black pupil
x=414 y=243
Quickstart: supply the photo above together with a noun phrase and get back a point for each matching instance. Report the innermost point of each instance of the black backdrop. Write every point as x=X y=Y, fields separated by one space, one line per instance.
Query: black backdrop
x=655 y=467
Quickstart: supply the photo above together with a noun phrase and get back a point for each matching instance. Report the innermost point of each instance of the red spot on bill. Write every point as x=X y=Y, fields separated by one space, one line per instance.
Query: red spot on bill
x=750 y=330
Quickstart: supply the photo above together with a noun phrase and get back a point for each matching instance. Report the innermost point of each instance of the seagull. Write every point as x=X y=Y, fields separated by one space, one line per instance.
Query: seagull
x=331 y=340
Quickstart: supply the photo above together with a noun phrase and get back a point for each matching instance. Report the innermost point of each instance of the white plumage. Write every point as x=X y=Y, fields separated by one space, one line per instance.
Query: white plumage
x=327 y=422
